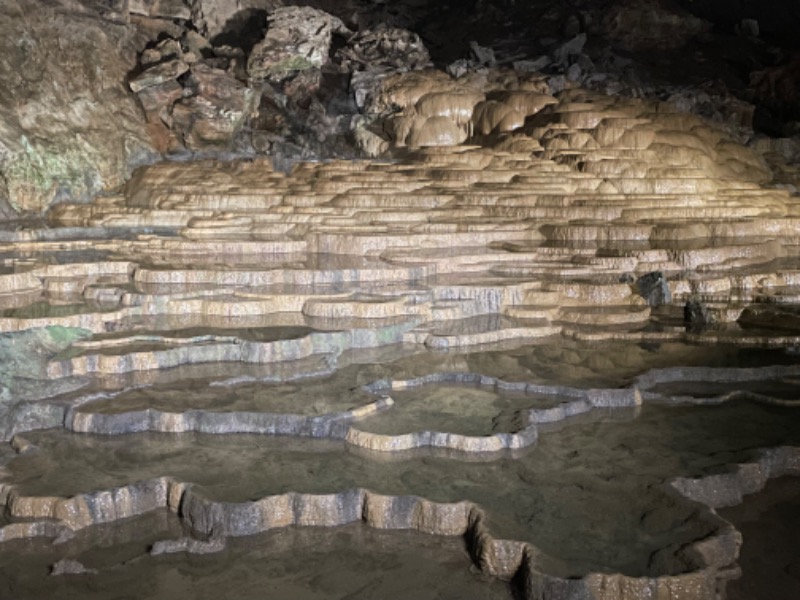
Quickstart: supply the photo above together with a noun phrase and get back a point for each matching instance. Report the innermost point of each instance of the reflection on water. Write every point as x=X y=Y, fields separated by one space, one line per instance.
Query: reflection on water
x=585 y=495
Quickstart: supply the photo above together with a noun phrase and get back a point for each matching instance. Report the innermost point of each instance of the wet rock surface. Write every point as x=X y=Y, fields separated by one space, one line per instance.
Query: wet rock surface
x=465 y=310
x=533 y=343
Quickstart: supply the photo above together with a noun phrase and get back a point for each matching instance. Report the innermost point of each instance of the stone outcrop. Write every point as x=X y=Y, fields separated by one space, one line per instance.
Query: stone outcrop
x=383 y=47
x=68 y=127
x=216 y=113
x=298 y=38
x=189 y=103
x=231 y=88
x=477 y=334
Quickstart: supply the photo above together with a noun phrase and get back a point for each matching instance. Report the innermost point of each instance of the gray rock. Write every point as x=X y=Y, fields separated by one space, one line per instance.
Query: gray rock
x=574 y=72
x=364 y=83
x=384 y=47
x=484 y=56
x=574 y=47
x=653 y=287
x=749 y=28
x=531 y=66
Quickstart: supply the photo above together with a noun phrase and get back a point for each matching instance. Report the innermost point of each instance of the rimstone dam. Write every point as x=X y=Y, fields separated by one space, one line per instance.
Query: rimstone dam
x=376 y=300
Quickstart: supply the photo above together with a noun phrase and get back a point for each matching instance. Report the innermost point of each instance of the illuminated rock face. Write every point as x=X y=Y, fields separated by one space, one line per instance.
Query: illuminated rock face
x=484 y=341
x=298 y=38
x=68 y=126
x=531 y=342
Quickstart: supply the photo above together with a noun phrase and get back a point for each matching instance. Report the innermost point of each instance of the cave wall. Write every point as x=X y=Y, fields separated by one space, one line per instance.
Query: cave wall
x=71 y=125
x=69 y=128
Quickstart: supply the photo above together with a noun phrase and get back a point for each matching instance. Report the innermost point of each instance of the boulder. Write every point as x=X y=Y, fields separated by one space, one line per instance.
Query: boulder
x=159 y=74
x=298 y=38
x=384 y=47
x=216 y=112
x=69 y=127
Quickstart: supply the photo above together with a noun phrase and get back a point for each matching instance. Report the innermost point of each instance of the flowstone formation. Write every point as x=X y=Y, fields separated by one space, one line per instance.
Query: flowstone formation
x=316 y=303
x=561 y=344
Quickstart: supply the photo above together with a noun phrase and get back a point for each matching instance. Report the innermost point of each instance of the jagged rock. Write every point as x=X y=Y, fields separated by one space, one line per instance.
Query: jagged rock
x=69 y=128
x=168 y=49
x=748 y=28
x=384 y=47
x=572 y=26
x=301 y=88
x=158 y=99
x=159 y=74
x=270 y=116
x=216 y=113
x=565 y=53
x=651 y=24
x=715 y=103
x=110 y=10
x=366 y=85
x=298 y=38
x=206 y=109
x=483 y=56
x=779 y=19
x=154 y=28
x=532 y=66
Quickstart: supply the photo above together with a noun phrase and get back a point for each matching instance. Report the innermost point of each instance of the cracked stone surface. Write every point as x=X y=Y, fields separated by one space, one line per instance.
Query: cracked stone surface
x=444 y=366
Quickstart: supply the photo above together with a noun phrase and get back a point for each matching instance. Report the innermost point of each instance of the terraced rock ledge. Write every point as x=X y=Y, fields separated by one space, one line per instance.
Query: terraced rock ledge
x=559 y=342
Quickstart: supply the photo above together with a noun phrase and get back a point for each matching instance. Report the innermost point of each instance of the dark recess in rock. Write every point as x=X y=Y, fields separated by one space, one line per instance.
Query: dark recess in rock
x=697 y=315
x=653 y=287
x=244 y=30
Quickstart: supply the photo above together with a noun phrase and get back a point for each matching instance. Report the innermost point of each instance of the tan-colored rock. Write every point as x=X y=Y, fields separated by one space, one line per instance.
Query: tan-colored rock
x=62 y=138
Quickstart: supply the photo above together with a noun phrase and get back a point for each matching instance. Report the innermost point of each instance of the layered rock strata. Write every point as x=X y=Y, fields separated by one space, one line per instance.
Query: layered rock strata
x=573 y=219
